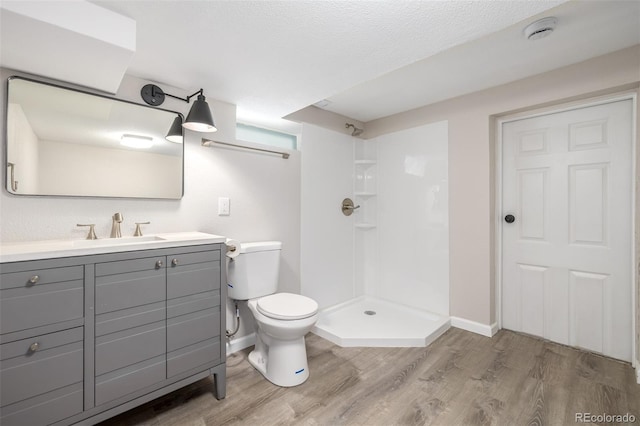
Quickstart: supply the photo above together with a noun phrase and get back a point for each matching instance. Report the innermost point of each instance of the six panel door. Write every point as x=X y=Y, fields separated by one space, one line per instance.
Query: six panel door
x=566 y=258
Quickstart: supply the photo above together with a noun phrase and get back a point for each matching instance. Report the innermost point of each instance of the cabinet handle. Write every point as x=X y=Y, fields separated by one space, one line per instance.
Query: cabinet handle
x=159 y=264
x=174 y=262
x=34 y=279
x=34 y=346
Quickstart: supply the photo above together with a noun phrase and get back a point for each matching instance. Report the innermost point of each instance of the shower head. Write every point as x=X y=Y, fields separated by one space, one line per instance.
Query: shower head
x=356 y=131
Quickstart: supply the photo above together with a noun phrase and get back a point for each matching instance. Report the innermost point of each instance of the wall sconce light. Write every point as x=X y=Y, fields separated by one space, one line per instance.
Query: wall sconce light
x=199 y=117
x=175 y=131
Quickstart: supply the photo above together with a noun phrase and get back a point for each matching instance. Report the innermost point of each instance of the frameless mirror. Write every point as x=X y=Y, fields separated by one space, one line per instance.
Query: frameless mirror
x=71 y=143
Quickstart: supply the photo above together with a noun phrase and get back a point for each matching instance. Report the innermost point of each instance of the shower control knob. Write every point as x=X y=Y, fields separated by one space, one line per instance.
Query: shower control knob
x=509 y=218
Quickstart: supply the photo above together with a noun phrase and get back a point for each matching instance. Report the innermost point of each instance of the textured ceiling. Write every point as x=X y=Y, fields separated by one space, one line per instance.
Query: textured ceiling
x=586 y=29
x=369 y=58
x=271 y=58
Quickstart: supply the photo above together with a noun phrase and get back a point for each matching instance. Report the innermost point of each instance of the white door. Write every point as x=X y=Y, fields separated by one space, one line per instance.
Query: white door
x=566 y=256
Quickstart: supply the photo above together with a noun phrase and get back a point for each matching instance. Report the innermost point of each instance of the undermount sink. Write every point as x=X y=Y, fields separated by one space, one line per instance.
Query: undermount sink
x=116 y=241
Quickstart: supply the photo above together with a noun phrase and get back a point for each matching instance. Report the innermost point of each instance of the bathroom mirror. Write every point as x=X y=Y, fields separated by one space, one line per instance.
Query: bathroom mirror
x=66 y=142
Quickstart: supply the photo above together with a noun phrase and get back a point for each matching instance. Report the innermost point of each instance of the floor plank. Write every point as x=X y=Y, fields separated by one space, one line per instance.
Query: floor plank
x=461 y=379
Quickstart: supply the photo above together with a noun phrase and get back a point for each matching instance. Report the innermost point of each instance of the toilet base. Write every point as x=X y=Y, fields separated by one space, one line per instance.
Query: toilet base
x=282 y=362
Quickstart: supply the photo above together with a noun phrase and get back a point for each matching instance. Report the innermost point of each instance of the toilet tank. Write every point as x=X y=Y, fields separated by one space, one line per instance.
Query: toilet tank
x=254 y=272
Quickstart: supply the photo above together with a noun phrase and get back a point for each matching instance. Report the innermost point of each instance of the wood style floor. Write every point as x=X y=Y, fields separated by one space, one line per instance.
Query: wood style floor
x=461 y=379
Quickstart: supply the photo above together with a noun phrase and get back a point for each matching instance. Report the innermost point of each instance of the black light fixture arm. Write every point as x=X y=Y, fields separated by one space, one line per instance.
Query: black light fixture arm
x=188 y=98
x=154 y=95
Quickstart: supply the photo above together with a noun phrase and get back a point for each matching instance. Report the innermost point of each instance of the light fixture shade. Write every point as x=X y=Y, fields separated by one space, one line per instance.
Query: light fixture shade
x=175 y=131
x=200 y=118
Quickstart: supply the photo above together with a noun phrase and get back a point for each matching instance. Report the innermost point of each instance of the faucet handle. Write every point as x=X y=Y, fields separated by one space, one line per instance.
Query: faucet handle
x=138 y=232
x=92 y=231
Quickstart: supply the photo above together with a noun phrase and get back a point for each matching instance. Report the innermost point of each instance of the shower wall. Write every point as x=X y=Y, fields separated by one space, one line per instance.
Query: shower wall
x=412 y=217
x=396 y=245
x=326 y=263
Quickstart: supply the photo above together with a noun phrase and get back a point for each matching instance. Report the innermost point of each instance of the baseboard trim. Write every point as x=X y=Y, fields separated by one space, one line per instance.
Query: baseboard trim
x=239 y=343
x=475 y=327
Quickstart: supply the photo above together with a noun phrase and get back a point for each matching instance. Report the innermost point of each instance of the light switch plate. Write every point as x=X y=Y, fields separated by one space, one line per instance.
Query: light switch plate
x=224 y=206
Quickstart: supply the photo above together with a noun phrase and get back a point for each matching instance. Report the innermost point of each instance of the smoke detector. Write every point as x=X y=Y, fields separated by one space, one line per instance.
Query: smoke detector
x=540 y=28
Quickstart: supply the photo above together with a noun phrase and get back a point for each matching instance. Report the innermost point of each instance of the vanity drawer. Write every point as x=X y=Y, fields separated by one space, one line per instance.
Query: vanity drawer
x=56 y=362
x=184 y=280
x=192 y=328
x=193 y=356
x=128 y=347
x=36 y=278
x=45 y=409
x=41 y=297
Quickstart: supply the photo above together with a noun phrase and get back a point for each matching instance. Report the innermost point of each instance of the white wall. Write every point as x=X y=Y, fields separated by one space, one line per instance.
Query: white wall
x=413 y=218
x=65 y=168
x=264 y=192
x=327 y=235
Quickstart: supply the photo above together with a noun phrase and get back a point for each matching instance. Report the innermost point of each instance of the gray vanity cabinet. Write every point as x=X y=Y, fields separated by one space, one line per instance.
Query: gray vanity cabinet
x=96 y=335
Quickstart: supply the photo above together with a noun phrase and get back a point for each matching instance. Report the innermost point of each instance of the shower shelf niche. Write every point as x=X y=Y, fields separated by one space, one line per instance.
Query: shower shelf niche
x=365 y=184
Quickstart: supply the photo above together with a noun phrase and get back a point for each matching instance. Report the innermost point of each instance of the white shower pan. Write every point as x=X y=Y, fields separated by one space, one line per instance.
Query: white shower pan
x=371 y=322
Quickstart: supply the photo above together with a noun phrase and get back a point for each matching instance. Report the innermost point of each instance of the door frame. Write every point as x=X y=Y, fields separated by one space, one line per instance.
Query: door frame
x=558 y=108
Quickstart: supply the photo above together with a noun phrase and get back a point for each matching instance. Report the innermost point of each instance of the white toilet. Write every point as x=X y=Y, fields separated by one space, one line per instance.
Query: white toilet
x=282 y=319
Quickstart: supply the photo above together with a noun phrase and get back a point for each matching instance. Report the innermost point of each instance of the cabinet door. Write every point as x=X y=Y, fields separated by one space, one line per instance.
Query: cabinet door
x=192 y=328
x=193 y=310
x=191 y=273
x=128 y=283
x=118 y=350
x=124 y=381
x=130 y=326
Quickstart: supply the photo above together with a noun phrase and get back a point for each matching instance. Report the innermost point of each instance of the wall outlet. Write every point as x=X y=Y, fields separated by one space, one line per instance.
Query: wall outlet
x=224 y=206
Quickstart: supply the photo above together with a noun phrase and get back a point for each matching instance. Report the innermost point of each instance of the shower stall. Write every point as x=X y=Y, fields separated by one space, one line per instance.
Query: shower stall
x=381 y=274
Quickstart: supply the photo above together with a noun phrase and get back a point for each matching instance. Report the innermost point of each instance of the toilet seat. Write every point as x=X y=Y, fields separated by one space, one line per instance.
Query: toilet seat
x=287 y=306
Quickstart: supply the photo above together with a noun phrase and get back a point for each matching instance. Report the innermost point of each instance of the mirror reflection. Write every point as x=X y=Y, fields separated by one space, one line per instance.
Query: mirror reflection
x=71 y=143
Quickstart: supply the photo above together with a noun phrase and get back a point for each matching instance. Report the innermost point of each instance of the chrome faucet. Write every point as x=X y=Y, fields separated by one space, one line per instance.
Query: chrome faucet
x=115 y=227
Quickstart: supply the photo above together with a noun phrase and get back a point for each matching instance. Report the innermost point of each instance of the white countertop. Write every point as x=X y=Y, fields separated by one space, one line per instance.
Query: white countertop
x=49 y=249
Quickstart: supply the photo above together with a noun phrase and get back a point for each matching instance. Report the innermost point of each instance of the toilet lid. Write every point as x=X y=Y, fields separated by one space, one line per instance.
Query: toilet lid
x=287 y=306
